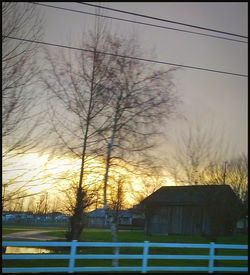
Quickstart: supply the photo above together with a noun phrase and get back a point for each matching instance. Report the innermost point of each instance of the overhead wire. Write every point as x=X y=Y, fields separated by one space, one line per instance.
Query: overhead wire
x=125 y=56
x=163 y=20
x=139 y=22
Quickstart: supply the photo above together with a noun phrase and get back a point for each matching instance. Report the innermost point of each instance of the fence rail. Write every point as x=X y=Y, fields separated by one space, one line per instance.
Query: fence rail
x=145 y=256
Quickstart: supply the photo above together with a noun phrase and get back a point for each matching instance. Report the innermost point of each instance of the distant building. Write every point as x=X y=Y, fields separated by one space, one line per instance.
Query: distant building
x=96 y=218
x=9 y=217
x=198 y=209
x=16 y=216
x=28 y=218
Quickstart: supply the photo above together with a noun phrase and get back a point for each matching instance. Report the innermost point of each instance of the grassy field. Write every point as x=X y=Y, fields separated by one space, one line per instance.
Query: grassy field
x=104 y=235
x=134 y=236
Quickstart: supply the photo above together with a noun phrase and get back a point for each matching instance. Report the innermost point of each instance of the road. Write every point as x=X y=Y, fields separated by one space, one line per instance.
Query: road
x=36 y=235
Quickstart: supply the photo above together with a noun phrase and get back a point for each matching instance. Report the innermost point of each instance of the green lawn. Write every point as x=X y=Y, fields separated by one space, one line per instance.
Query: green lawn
x=135 y=236
x=100 y=235
x=128 y=235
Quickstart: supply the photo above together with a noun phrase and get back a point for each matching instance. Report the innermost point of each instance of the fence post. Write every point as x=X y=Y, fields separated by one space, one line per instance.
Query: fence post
x=145 y=257
x=211 y=258
x=72 y=256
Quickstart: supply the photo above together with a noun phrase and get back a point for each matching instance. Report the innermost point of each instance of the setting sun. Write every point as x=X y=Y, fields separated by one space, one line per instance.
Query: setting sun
x=47 y=175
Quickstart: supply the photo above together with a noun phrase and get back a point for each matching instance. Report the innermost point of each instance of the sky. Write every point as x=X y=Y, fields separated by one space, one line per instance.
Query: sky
x=206 y=96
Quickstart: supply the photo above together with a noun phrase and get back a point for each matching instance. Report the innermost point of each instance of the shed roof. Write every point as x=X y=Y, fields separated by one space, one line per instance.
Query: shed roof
x=97 y=213
x=192 y=195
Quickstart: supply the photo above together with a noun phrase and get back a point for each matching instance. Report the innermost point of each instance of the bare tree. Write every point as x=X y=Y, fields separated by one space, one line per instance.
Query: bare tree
x=142 y=97
x=196 y=148
x=18 y=182
x=233 y=172
x=237 y=176
x=31 y=205
x=116 y=203
x=55 y=204
x=16 y=204
x=42 y=204
x=22 y=20
x=117 y=198
x=202 y=157
x=80 y=89
x=70 y=197
x=19 y=72
x=106 y=100
x=80 y=85
x=148 y=185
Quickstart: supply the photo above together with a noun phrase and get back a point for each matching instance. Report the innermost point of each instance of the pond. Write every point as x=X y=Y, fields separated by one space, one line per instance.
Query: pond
x=27 y=250
x=39 y=250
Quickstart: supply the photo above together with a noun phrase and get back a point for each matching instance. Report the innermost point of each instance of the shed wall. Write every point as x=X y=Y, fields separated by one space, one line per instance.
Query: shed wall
x=178 y=220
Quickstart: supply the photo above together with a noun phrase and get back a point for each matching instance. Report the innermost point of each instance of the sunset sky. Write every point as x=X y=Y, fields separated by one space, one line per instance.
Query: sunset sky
x=207 y=97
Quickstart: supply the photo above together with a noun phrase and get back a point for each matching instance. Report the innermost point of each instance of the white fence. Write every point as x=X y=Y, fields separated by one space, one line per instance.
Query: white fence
x=145 y=256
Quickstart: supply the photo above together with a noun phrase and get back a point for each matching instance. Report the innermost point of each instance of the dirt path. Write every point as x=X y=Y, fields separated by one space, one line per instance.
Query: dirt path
x=38 y=235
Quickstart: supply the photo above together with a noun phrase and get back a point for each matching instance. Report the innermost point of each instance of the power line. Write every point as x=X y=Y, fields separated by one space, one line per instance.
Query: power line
x=164 y=20
x=138 y=22
x=124 y=56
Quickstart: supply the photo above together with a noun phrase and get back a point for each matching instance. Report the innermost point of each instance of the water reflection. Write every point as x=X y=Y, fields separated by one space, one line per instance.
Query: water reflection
x=26 y=250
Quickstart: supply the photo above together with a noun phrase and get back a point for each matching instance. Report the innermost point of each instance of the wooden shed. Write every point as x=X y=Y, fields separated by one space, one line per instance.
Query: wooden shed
x=196 y=209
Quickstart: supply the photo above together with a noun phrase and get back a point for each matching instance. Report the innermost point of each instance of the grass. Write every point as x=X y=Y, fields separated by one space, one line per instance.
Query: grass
x=100 y=235
x=104 y=235
x=135 y=236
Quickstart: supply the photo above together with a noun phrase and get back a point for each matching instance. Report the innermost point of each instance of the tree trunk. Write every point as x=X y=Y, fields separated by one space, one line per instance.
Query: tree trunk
x=76 y=221
x=113 y=227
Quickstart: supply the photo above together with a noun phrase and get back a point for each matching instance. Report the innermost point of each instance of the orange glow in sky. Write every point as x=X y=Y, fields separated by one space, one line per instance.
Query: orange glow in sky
x=49 y=175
